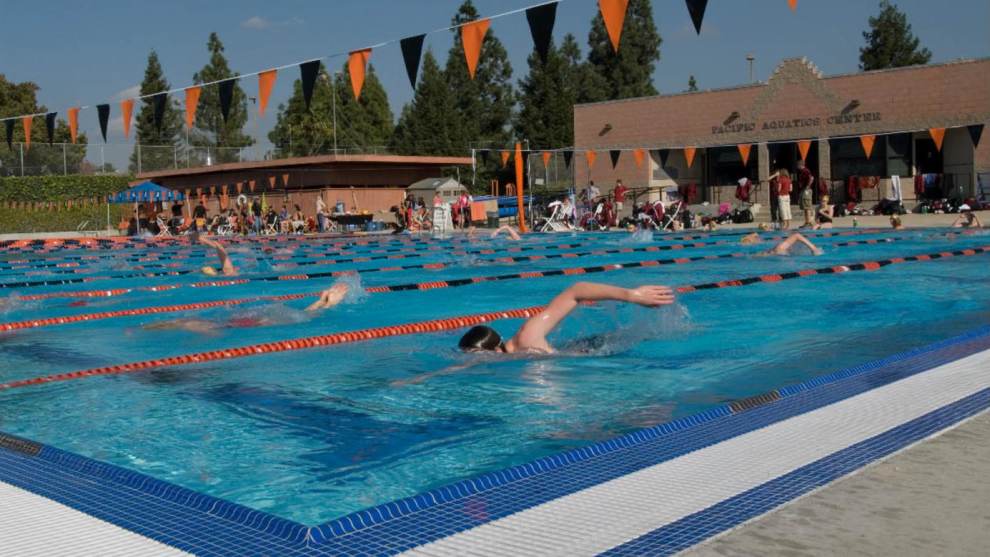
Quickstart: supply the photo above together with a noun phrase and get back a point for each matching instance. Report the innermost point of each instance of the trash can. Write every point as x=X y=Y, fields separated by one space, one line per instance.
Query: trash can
x=492 y=219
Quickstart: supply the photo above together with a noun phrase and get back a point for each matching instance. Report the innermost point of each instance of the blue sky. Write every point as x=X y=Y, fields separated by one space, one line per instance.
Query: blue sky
x=90 y=51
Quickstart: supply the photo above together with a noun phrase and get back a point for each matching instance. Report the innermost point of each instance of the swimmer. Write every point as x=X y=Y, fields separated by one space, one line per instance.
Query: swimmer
x=508 y=230
x=895 y=222
x=329 y=297
x=226 y=267
x=754 y=237
x=967 y=218
x=784 y=248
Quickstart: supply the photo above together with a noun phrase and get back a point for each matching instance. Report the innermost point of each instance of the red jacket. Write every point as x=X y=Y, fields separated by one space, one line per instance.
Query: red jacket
x=784 y=186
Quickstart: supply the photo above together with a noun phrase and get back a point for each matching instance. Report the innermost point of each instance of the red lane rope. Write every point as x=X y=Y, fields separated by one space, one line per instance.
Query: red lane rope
x=447 y=324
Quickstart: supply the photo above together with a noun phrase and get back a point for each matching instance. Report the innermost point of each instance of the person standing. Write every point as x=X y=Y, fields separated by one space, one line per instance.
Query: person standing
x=774 y=199
x=321 y=213
x=784 y=186
x=620 y=194
x=256 y=213
x=805 y=181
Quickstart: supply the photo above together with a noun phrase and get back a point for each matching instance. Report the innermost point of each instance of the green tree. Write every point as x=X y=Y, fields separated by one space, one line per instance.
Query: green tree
x=692 y=84
x=366 y=123
x=890 y=42
x=428 y=123
x=157 y=147
x=546 y=99
x=17 y=99
x=628 y=73
x=210 y=129
x=299 y=132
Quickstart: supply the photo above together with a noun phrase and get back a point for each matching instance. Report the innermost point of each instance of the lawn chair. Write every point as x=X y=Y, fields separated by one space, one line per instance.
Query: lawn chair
x=163 y=229
x=557 y=221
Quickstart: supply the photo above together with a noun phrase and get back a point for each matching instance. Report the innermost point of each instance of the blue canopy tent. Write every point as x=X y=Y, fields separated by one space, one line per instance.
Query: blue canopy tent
x=145 y=192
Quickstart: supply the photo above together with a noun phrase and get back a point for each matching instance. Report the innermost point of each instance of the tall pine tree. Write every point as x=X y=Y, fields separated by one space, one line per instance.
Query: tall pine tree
x=890 y=42
x=546 y=100
x=367 y=123
x=630 y=72
x=299 y=132
x=158 y=147
x=210 y=129
x=428 y=124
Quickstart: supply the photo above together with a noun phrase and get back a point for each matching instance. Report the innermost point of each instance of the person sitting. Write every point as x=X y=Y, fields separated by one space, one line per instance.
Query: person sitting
x=967 y=218
x=271 y=221
x=825 y=214
x=298 y=221
x=226 y=266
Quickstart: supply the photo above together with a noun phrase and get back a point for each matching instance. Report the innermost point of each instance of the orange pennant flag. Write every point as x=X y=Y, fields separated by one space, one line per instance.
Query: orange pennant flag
x=73 y=123
x=26 y=122
x=938 y=134
x=271 y=182
x=126 y=108
x=591 y=156
x=867 y=141
x=285 y=179
x=614 y=15
x=546 y=158
x=689 y=155
x=192 y=100
x=505 y=157
x=639 y=155
x=803 y=147
x=266 y=81
x=357 y=64
x=744 y=152
x=792 y=4
x=472 y=35
x=251 y=184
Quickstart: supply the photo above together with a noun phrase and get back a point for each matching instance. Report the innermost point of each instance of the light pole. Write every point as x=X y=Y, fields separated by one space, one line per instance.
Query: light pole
x=333 y=102
x=750 y=58
x=257 y=131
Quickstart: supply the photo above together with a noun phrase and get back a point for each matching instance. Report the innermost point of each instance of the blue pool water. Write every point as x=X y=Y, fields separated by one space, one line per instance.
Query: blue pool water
x=314 y=434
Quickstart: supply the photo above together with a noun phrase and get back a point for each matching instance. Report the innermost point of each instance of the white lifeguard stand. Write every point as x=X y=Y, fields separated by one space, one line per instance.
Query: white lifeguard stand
x=443 y=222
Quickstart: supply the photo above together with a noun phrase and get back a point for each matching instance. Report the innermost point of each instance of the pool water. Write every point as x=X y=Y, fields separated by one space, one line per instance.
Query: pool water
x=311 y=435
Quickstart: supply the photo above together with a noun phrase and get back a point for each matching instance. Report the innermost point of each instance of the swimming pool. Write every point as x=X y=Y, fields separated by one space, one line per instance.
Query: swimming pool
x=313 y=434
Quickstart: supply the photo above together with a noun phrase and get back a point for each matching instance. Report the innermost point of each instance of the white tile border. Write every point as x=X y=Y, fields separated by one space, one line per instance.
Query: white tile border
x=31 y=525
x=609 y=514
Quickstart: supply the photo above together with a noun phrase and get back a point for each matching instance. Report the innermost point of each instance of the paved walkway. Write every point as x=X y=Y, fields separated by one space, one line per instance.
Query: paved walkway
x=931 y=499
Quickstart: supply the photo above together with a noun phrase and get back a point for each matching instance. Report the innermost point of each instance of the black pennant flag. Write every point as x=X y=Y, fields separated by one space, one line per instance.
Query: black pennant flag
x=541 y=20
x=975 y=131
x=309 y=71
x=158 y=105
x=103 y=111
x=614 y=154
x=412 y=51
x=661 y=156
x=50 y=126
x=10 y=133
x=697 y=10
x=226 y=90
x=568 y=156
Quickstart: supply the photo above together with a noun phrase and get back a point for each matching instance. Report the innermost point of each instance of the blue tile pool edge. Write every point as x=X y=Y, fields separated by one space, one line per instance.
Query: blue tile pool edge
x=292 y=532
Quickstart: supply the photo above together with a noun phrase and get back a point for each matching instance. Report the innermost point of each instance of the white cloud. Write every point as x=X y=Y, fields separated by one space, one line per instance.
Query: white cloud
x=128 y=93
x=256 y=22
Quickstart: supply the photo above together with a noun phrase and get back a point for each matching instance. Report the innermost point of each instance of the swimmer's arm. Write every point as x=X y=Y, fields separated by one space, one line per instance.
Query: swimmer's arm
x=508 y=229
x=534 y=332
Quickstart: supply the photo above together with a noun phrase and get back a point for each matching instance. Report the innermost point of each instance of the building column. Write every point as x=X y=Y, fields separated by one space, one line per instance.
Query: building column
x=763 y=175
x=824 y=160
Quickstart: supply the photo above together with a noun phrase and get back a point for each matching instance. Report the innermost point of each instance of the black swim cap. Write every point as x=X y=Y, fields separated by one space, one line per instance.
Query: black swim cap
x=480 y=337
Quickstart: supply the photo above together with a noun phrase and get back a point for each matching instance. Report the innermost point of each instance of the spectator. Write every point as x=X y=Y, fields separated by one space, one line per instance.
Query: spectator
x=199 y=217
x=256 y=213
x=784 y=187
x=620 y=194
x=321 y=213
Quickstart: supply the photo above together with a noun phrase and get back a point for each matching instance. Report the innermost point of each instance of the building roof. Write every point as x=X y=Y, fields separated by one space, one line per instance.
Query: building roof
x=318 y=161
x=436 y=183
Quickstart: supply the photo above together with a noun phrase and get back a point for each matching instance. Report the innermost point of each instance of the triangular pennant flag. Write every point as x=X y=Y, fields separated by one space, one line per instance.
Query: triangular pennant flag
x=309 y=71
x=639 y=155
x=689 y=155
x=614 y=16
x=357 y=64
x=126 y=109
x=103 y=113
x=697 y=10
x=225 y=90
x=867 y=142
x=73 y=123
x=938 y=134
x=614 y=154
x=158 y=103
x=412 y=51
x=975 y=131
x=266 y=81
x=662 y=156
x=792 y=4
x=744 y=149
x=505 y=157
x=192 y=101
x=472 y=36
x=10 y=133
x=591 y=157
x=271 y=182
x=547 y=155
x=251 y=184
x=803 y=146
x=50 y=126
x=285 y=180
x=568 y=157
x=26 y=123
x=541 y=20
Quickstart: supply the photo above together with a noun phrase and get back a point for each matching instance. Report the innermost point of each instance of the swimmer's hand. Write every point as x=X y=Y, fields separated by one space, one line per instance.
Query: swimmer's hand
x=651 y=296
x=329 y=297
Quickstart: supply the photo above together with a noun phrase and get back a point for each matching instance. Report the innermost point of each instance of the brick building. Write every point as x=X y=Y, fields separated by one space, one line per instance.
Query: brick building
x=798 y=103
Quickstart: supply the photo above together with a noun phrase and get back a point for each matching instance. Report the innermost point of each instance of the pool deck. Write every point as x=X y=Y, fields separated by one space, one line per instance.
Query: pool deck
x=929 y=499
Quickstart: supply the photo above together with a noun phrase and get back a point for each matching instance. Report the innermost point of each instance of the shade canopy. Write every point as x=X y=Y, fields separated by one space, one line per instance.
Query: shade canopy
x=146 y=192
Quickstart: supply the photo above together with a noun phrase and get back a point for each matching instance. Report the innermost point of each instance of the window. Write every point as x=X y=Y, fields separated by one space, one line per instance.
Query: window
x=848 y=158
x=726 y=167
x=899 y=161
